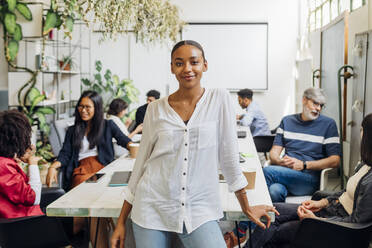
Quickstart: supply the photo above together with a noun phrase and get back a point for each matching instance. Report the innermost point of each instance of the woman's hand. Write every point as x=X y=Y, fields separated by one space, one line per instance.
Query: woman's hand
x=315 y=206
x=29 y=152
x=304 y=213
x=52 y=175
x=255 y=213
x=118 y=236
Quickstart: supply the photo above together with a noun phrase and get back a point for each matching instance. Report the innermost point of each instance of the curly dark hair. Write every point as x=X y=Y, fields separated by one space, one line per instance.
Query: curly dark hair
x=15 y=134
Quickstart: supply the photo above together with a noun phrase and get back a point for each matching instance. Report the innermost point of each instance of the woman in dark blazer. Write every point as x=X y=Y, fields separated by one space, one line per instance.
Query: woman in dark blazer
x=87 y=148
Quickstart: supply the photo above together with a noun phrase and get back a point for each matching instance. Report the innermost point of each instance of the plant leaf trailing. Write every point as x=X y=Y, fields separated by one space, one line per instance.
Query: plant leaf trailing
x=110 y=86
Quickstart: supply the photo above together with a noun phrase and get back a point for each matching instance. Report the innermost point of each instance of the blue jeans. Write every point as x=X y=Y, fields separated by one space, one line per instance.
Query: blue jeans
x=282 y=180
x=207 y=235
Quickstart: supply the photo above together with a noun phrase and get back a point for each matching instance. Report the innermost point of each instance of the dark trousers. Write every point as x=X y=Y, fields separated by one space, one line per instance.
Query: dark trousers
x=283 y=230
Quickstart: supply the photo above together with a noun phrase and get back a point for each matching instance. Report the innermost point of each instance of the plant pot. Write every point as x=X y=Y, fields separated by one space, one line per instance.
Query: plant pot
x=66 y=68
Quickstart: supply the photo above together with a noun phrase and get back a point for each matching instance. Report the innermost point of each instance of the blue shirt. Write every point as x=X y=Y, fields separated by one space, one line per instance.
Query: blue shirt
x=255 y=119
x=308 y=140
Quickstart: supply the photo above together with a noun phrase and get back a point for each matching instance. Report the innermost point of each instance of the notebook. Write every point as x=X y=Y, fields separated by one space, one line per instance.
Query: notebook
x=120 y=178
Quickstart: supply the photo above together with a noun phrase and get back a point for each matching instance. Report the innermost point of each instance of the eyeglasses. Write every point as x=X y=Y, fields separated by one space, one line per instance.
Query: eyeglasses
x=317 y=104
x=87 y=107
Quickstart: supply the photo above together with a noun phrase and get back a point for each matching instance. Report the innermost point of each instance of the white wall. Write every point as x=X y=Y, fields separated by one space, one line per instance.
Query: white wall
x=282 y=16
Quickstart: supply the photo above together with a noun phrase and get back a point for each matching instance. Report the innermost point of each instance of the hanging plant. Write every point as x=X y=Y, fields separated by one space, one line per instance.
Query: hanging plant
x=150 y=20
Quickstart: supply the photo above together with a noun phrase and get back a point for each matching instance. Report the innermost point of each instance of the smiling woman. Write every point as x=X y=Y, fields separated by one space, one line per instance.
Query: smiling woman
x=174 y=183
x=87 y=148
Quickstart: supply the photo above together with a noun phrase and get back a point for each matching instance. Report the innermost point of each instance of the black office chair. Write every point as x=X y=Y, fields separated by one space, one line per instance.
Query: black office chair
x=32 y=232
x=327 y=233
x=264 y=143
x=321 y=233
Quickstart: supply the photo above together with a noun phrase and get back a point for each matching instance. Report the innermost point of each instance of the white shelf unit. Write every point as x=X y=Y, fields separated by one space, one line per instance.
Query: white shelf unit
x=62 y=87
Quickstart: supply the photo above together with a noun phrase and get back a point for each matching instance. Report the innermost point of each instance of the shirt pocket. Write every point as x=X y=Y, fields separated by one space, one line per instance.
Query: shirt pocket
x=207 y=135
x=164 y=143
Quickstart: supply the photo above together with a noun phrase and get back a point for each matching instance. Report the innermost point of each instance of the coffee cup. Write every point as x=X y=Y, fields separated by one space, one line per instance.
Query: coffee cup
x=250 y=175
x=133 y=149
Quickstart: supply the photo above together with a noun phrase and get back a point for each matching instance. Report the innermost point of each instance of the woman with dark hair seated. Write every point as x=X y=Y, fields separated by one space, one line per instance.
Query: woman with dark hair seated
x=87 y=148
x=117 y=109
x=354 y=204
x=19 y=193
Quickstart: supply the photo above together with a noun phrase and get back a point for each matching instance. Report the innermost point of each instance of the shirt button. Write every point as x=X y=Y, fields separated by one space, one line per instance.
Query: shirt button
x=184 y=173
x=183 y=188
x=183 y=204
x=185 y=159
x=185 y=144
x=185 y=130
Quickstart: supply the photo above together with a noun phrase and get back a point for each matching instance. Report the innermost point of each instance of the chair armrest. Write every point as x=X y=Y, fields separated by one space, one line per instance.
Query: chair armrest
x=324 y=178
x=322 y=233
x=320 y=194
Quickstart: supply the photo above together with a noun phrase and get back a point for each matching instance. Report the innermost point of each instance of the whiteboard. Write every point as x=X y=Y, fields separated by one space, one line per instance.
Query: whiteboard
x=237 y=53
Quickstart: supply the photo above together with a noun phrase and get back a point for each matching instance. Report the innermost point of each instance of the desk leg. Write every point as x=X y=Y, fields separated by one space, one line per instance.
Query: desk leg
x=95 y=237
x=250 y=234
x=237 y=233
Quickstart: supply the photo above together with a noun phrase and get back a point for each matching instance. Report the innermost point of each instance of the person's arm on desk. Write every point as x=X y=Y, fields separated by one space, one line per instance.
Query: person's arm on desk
x=256 y=212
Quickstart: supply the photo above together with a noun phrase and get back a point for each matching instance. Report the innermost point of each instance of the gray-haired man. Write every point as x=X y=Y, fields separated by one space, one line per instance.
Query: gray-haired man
x=311 y=144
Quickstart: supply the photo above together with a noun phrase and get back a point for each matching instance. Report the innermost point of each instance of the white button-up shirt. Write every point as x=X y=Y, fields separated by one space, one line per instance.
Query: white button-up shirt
x=175 y=176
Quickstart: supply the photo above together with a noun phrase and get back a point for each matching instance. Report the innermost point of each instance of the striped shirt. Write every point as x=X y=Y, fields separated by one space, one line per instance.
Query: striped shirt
x=308 y=140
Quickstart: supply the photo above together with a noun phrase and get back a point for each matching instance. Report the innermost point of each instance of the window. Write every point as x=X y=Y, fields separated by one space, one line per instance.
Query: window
x=322 y=12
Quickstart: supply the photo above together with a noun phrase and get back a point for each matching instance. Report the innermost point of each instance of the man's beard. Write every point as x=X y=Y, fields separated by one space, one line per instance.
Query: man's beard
x=308 y=114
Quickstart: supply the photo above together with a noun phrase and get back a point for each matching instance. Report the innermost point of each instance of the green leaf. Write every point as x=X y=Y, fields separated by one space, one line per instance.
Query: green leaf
x=50 y=22
x=36 y=101
x=24 y=11
x=39 y=144
x=119 y=93
x=69 y=22
x=115 y=78
x=98 y=77
x=59 y=21
x=107 y=75
x=34 y=92
x=10 y=22
x=41 y=118
x=18 y=33
x=46 y=110
x=98 y=65
x=12 y=4
x=97 y=89
x=86 y=81
x=12 y=50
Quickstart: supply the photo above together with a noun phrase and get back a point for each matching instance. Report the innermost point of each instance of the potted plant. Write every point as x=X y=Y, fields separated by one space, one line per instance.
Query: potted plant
x=67 y=63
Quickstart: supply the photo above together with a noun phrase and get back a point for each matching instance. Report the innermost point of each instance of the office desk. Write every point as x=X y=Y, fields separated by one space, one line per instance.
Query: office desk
x=100 y=200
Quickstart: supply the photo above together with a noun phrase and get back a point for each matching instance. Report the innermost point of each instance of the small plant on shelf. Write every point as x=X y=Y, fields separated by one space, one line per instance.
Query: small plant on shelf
x=67 y=63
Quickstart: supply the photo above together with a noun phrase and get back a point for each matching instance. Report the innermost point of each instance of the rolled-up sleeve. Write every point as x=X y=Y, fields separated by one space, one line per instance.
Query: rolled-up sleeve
x=228 y=146
x=143 y=154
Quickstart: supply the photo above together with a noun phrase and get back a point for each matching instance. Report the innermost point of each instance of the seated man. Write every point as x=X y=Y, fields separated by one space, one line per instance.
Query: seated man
x=311 y=144
x=254 y=117
x=152 y=95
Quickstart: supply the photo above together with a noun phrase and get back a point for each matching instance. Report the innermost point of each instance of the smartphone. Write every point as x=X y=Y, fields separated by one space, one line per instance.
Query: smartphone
x=95 y=178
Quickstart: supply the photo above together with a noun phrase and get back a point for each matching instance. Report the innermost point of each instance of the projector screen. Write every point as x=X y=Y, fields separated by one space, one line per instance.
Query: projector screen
x=237 y=54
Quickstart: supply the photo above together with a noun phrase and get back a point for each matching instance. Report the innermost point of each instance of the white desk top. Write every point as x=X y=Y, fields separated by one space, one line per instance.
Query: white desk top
x=100 y=200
